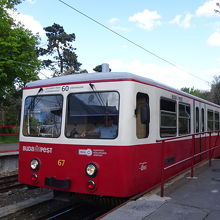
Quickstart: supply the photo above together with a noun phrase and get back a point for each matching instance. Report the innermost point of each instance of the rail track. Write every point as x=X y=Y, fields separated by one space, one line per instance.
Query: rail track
x=9 y=182
x=78 y=211
x=54 y=210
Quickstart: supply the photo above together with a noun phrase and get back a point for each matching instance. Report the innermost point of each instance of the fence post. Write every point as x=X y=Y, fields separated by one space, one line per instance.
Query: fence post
x=162 y=169
x=193 y=155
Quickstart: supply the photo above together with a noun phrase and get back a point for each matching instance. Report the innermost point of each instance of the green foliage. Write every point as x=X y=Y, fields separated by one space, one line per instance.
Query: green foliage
x=196 y=92
x=8 y=139
x=9 y=3
x=63 y=59
x=192 y=91
x=215 y=90
x=213 y=95
x=18 y=58
x=18 y=62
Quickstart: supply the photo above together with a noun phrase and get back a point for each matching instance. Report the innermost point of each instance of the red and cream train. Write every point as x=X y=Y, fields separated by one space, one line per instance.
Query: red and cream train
x=56 y=112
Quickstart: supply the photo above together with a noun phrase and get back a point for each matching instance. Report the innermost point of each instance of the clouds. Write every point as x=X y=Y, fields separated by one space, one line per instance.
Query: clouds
x=146 y=19
x=207 y=9
x=28 y=21
x=113 y=22
x=214 y=40
x=182 y=21
x=166 y=75
x=149 y=19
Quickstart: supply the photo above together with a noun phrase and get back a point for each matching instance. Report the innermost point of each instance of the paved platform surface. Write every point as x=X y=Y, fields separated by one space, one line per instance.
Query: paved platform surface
x=9 y=147
x=196 y=199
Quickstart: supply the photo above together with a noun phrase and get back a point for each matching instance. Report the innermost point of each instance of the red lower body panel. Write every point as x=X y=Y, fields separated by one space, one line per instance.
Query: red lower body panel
x=123 y=171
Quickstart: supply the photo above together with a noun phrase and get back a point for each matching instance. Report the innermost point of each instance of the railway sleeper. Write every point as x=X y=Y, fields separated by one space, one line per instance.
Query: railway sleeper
x=103 y=201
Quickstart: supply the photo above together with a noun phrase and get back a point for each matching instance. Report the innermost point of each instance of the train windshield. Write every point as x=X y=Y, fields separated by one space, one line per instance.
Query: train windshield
x=92 y=115
x=42 y=116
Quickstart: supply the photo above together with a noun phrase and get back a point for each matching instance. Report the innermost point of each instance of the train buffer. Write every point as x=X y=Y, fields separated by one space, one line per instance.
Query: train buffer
x=197 y=198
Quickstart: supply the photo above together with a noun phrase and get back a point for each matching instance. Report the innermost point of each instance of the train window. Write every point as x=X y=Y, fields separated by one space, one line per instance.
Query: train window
x=168 y=119
x=203 y=120
x=42 y=116
x=216 y=121
x=197 y=119
x=184 y=118
x=142 y=129
x=92 y=115
x=210 y=120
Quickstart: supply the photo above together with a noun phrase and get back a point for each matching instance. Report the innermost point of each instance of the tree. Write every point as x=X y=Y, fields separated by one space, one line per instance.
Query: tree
x=18 y=58
x=196 y=92
x=60 y=51
x=192 y=91
x=215 y=90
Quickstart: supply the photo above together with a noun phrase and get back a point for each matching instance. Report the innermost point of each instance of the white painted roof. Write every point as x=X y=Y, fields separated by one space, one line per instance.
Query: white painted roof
x=91 y=77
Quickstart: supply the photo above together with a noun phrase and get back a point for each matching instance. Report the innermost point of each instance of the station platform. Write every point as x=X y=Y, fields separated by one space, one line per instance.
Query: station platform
x=188 y=198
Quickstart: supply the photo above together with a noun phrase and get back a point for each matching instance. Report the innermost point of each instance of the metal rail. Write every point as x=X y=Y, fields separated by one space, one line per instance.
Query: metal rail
x=14 y=134
x=209 y=150
x=9 y=182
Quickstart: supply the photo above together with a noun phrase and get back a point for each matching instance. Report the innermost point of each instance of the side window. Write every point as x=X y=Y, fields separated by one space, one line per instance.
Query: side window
x=168 y=118
x=203 y=120
x=210 y=120
x=184 y=118
x=142 y=129
x=216 y=121
x=197 y=120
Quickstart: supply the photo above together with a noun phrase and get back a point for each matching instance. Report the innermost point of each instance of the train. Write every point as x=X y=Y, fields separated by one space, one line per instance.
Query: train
x=101 y=133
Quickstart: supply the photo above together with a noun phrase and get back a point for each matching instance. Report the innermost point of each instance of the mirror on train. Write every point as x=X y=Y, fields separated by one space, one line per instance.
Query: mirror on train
x=145 y=114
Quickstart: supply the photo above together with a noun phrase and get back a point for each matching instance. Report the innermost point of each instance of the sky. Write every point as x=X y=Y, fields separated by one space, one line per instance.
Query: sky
x=181 y=39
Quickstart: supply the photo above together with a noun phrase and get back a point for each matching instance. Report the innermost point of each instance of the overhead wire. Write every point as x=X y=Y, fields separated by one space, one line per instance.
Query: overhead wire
x=132 y=42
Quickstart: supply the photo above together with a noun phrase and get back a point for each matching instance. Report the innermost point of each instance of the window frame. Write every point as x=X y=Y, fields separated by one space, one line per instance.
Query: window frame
x=212 y=119
x=174 y=113
x=43 y=95
x=197 y=120
x=91 y=92
x=216 y=122
x=188 y=119
x=202 y=119
x=147 y=126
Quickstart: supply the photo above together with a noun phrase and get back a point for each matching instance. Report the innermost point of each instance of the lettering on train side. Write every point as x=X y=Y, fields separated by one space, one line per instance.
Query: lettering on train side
x=47 y=150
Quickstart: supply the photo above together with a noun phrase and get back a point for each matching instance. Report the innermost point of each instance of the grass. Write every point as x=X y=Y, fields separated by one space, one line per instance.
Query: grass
x=8 y=139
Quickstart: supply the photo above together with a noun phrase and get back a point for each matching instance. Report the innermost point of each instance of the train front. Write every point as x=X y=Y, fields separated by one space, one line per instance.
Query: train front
x=69 y=139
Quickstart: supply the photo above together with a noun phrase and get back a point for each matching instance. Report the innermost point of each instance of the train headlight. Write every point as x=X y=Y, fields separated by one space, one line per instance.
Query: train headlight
x=91 y=170
x=35 y=164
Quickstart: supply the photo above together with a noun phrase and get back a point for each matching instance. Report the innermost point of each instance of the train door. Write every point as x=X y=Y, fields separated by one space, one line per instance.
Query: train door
x=199 y=126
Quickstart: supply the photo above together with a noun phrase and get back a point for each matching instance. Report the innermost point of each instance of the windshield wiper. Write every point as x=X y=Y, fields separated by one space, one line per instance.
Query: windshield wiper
x=98 y=96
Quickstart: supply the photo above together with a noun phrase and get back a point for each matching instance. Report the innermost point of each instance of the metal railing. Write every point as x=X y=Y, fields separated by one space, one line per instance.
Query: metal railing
x=209 y=150
x=10 y=131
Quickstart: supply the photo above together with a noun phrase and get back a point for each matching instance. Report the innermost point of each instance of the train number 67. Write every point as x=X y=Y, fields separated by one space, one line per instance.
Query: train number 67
x=60 y=163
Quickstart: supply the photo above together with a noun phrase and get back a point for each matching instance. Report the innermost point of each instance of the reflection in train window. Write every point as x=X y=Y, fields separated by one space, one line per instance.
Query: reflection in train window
x=184 y=118
x=210 y=120
x=168 y=119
